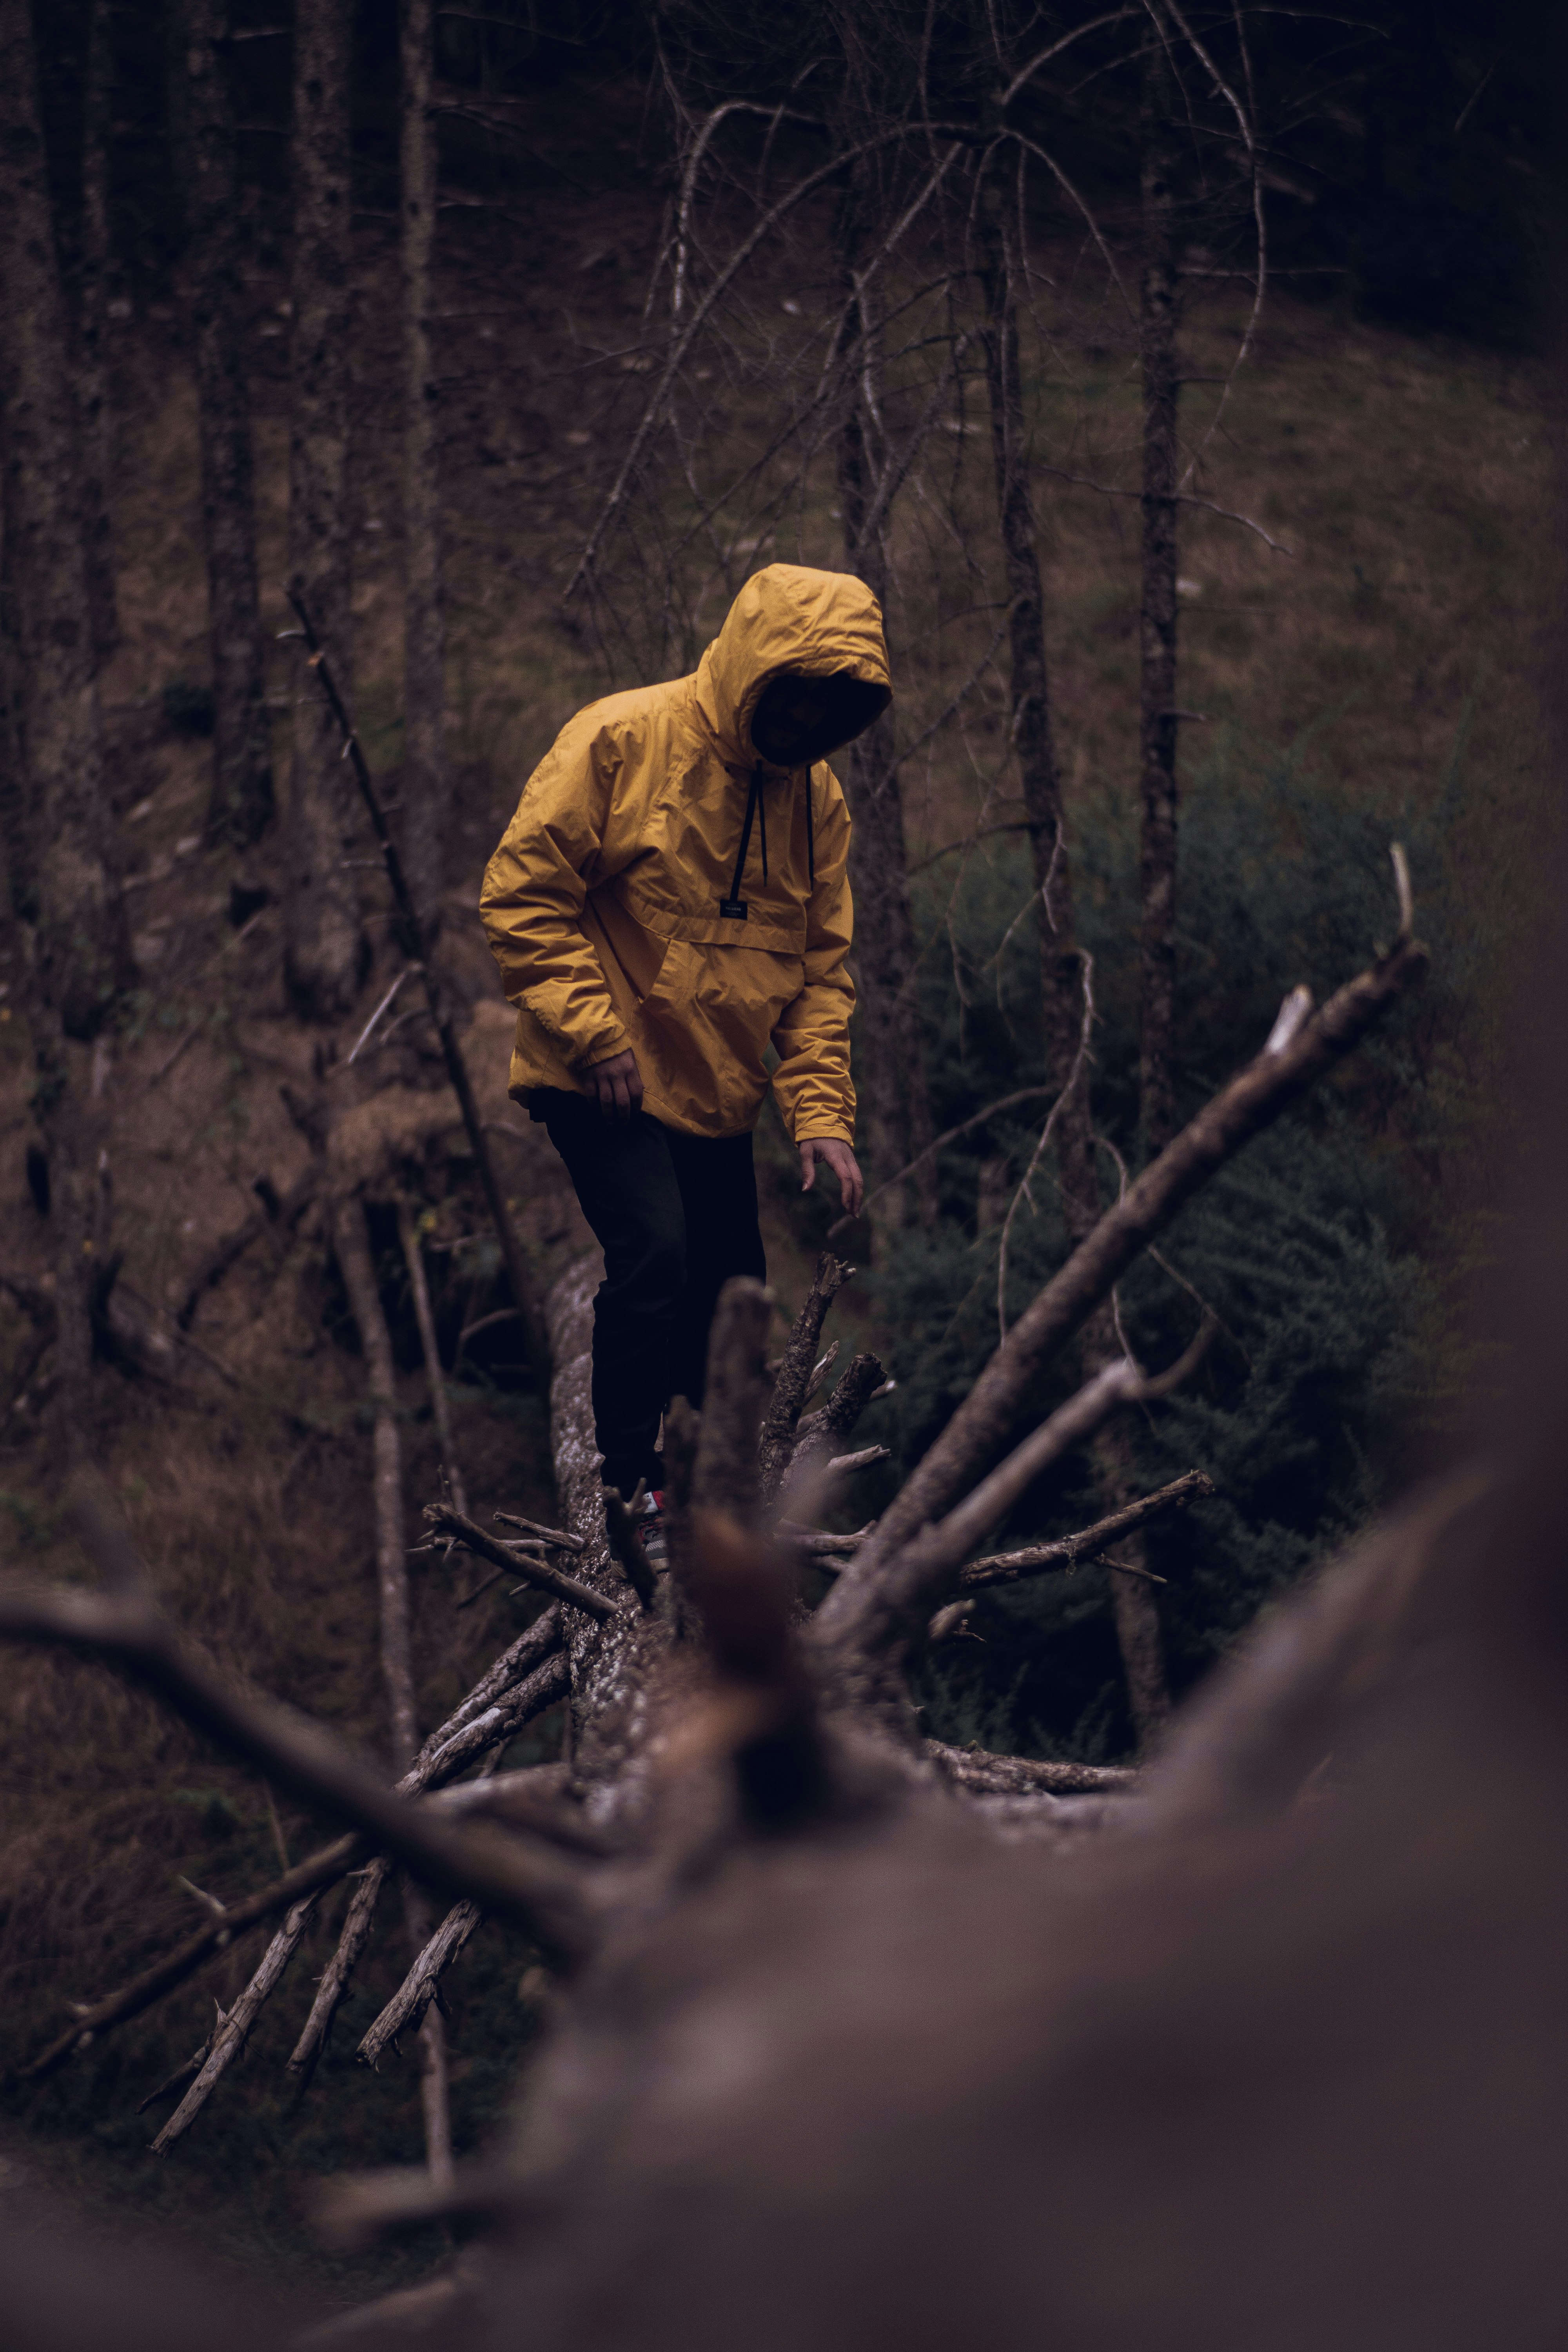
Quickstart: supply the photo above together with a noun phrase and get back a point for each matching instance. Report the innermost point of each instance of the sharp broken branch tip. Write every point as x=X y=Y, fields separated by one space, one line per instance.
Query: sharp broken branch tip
x=1295 y=1009
x=1407 y=897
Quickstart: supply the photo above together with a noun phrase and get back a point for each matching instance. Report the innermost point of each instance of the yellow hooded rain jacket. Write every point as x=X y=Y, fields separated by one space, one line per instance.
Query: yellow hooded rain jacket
x=604 y=903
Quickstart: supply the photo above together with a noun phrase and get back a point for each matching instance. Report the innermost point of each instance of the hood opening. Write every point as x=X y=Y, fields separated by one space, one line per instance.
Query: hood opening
x=788 y=618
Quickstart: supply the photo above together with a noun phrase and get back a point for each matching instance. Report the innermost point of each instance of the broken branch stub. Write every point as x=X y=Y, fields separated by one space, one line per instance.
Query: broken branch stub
x=726 y=1475
x=627 y=1545
x=763 y=1709
x=796 y=1369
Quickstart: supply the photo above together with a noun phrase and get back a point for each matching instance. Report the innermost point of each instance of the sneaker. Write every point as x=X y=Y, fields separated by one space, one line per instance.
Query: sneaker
x=652 y=1530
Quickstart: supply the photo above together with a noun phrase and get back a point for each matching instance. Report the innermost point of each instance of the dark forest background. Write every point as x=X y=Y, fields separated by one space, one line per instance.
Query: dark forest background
x=514 y=339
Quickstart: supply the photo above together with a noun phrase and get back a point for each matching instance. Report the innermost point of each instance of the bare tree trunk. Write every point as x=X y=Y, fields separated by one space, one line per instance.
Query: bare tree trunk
x=1030 y=730
x=242 y=803
x=70 y=880
x=1062 y=978
x=60 y=847
x=426 y=795
x=888 y=1068
x=1157 y=628
x=351 y=1242
x=441 y=1404
x=326 y=950
x=96 y=285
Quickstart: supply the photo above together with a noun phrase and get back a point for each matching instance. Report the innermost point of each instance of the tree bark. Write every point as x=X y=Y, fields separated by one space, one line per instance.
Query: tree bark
x=92 y=319
x=352 y=1244
x=325 y=954
x=1030 y=729
x=60 y=847
x=62 y=834
x=1157 y=616
x=242 y=803
x=888 y=1068
x=440 y=1403
x=426 y=794
x=1062 y=978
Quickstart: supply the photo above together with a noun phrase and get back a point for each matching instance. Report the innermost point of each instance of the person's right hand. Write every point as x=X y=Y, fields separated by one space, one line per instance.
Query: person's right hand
x=617 y=1084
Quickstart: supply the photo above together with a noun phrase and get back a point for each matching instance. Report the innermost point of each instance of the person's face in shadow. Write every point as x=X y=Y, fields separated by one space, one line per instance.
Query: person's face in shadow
x=798 y=719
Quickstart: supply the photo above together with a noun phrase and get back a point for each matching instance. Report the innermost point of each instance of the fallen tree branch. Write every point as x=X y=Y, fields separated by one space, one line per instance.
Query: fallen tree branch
x=124 y=1625
x=230 y=2038
x=910 y=1584
x=93 y=2017
x=405 y=2010
x=820 y=1431
x=475 y=1729
x=1301 y=1051
x=844 y=1462
x=441 y=1404
x=1069 y=1551
x=990 y=1775
x=533 y=1571
x=792 y=1382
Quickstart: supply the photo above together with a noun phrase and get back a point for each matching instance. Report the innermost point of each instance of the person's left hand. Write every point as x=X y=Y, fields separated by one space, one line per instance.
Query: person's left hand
x=844 y=1164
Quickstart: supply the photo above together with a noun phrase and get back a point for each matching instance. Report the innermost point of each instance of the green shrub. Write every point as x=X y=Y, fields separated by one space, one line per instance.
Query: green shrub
x=1316 y=1248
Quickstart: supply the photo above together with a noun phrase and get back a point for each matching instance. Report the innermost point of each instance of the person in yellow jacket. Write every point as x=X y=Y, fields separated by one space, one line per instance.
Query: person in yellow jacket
x=672 y=900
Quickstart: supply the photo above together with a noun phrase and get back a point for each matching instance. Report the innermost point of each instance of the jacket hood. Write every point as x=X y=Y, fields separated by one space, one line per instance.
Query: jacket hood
x=786 y=618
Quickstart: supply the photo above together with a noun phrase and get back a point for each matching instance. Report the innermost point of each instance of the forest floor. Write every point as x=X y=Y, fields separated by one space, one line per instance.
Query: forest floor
x=1410 y=478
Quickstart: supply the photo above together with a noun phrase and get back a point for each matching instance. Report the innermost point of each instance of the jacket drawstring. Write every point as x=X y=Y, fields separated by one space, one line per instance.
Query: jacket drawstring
x=734 y=905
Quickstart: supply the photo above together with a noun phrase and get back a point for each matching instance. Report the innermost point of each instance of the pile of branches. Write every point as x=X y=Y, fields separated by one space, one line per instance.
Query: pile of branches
x=728 y=1751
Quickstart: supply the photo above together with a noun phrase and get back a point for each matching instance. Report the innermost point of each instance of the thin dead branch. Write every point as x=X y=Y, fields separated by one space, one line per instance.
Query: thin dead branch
x=440 y=1403
x=856 y=1614
x=93 y=2019
x=405 y=2010
x=533 y=1571
x=557 y=1536
x=230 y=2037
x=1088 y=1544
x=122 y=1624
x=1017 y=1776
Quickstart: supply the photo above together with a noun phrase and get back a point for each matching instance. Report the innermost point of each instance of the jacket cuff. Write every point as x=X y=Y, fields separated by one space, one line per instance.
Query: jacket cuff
x=611 y=1040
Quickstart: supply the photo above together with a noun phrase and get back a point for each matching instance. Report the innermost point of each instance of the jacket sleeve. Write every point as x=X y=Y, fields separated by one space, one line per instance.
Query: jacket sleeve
x=812 y=1084
x=535 y=888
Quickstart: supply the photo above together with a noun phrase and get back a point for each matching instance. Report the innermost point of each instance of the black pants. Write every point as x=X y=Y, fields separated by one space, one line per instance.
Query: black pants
x=676 y=1215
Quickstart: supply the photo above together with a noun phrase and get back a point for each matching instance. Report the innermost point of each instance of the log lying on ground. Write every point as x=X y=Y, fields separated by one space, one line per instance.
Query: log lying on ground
x=707 y=1736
